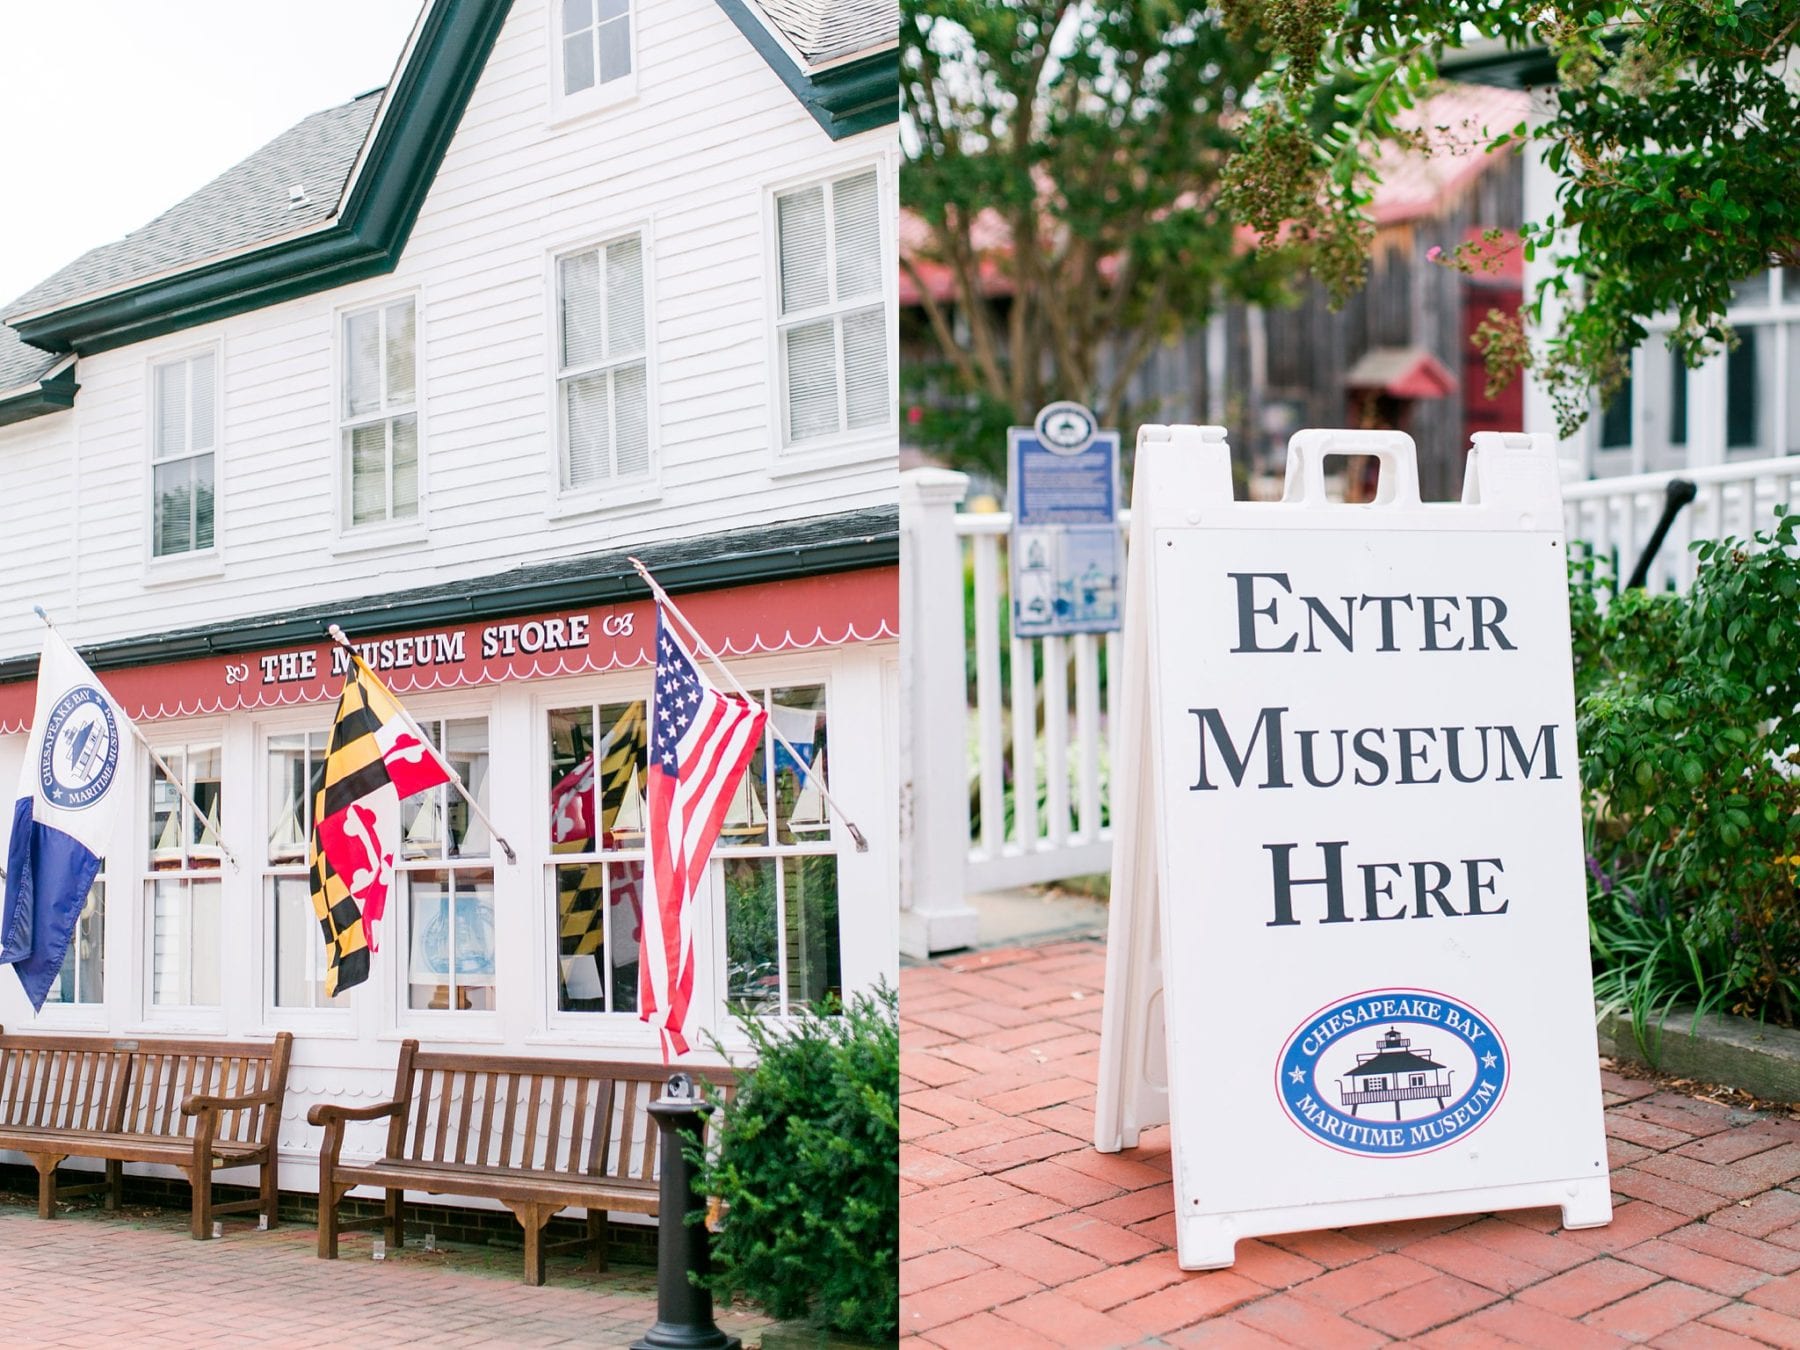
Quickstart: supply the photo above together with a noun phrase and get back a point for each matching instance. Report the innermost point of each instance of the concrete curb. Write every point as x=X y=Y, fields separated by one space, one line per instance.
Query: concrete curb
x=1761 y=1060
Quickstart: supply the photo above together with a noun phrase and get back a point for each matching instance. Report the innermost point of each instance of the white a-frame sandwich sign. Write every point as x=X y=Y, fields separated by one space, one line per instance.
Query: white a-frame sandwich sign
x=1348 y=953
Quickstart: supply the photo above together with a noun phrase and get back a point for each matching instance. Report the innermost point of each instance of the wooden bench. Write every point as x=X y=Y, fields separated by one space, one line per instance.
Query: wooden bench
x=538 y=1135
x=200 y=1106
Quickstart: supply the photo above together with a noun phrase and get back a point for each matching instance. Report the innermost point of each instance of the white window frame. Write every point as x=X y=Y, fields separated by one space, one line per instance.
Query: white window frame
x=161 y=568
x=862 y=444
x=1708 y=395
x=567 y=109
x=618 y=493
x=1777 y=320
x=183 y=738
x=623 y=1029
x=348 y=538
x=326 y=1019
x=89 y=1015
x=476 y=1025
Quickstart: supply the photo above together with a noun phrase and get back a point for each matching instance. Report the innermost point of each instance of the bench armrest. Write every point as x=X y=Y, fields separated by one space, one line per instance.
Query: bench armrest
x=327 y=1114
x=199 y=1102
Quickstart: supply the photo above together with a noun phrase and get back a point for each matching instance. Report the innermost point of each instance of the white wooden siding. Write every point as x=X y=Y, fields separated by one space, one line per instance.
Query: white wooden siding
x=693 y=154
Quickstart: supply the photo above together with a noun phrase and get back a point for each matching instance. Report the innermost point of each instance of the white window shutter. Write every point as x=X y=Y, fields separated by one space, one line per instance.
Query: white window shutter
x=631 y=417
x=362 y=363
x=585 y=417
x=812 y=384
x=401 y=346
x=406 y=466
x=624 y=297
x=866 y=368
x=368 y=473
x=171 y=409
x=856 y=221
x=203 y=399
x=801 y=232
x=579 y=282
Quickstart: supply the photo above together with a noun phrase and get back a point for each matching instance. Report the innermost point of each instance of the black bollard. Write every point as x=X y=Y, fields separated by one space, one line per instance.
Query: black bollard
x=684 y=1310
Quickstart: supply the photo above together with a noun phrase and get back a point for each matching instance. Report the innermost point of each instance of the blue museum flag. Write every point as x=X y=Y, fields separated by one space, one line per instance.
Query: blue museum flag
x=70 y=796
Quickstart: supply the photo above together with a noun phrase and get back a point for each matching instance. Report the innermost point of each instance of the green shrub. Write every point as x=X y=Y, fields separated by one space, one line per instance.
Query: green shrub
x=808 y=1168
x=1689 y=720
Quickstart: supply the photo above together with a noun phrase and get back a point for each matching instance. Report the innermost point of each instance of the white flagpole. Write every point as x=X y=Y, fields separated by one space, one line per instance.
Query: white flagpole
x=157 y=760
x=662 y=597
x=337 y=636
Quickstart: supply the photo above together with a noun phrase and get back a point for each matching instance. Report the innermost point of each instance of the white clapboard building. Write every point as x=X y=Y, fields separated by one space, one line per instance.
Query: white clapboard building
x=587 y=279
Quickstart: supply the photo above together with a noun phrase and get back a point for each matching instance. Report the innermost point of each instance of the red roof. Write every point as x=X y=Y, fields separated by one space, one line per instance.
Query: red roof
x=1459 y=121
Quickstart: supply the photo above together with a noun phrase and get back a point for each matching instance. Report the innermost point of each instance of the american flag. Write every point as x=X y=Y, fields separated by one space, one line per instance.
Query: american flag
x=700 y=743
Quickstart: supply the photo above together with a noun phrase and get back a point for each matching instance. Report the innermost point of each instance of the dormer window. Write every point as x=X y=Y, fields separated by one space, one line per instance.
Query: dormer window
x=594 y=49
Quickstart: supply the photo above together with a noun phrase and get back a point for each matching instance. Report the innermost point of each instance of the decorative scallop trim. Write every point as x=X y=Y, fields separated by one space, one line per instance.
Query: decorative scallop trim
x=436 y=680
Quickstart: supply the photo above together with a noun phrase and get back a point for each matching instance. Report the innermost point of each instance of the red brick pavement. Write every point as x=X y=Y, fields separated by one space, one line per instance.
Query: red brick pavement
x=1016 y=1234
x=86 y=1279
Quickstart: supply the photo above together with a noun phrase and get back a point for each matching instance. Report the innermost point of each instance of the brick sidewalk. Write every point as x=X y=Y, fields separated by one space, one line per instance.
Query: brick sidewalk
x=137 y=1279
x=1016 y=1234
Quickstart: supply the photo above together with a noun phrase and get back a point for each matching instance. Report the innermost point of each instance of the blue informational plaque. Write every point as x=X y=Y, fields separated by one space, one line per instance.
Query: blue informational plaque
x=1067 y=554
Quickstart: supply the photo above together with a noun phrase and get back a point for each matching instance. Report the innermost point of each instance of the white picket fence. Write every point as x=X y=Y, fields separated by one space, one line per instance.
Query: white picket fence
x=1004 y=774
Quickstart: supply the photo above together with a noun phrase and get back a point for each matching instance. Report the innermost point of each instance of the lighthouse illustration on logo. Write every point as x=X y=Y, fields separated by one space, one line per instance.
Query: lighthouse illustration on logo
x=1395 y=1073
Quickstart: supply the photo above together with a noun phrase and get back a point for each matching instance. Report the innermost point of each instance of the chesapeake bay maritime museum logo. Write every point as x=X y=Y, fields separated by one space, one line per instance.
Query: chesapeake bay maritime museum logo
x=81 y=750
x=1392 y=1072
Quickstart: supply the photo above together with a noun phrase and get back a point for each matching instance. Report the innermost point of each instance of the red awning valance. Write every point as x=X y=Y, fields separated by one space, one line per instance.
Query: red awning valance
x=820 y=611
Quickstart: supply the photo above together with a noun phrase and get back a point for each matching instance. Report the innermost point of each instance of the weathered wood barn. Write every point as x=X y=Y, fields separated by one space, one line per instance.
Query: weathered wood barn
x=1397 y=354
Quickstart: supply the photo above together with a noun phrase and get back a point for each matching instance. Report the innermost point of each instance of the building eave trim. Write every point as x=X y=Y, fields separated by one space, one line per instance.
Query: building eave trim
x=53 y=392
x=844 y=97
x=870 y=539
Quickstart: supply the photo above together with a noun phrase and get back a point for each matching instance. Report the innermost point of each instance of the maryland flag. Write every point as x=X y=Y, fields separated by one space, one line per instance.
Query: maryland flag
x=374 y=761
x=581 y=892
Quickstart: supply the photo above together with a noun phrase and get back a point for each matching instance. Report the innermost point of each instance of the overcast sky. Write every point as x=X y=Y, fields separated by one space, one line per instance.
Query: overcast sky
x=111 y=111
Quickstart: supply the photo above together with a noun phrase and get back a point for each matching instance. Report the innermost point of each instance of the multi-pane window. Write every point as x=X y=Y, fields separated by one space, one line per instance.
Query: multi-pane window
x=184 y=434
x=380 y=415
x=595 y=42
x=782 y=947
x=832 y=328
x=602 y=389
x=296 y=774
x=444 y=880
x=597 y=768
x=82 y=979
x=182 y=890
x=1762 y=372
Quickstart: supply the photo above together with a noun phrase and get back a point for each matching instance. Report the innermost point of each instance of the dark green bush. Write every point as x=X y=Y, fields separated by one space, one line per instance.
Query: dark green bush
x=1689 y=720
x=808 y=1168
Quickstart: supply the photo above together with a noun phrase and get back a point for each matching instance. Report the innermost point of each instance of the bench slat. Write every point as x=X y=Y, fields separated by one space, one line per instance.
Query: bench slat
x=528 y=1149
x=506 y=1130
x=577 y=1127
x=421 y=1107
x=462 y=1124
x=486 y=1137
x=554 y=1134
